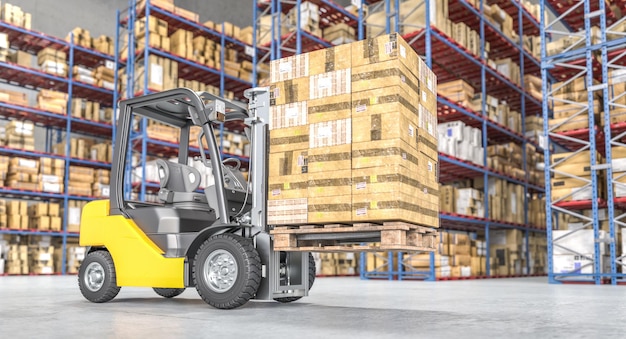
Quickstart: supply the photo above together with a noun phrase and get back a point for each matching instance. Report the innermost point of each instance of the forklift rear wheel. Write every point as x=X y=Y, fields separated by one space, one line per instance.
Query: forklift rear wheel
x=311 y=281
x=96 y=277
x=227 y=271
x=168 y=292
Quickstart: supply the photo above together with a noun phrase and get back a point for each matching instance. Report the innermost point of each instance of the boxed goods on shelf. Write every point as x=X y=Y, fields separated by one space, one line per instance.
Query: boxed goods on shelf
x=574 y=250
x=52 y=61
x=336 y=264
x=82 y=108
x=80 y=180
x=41 y=259
x=22 y=174
x=17 y=214
x=162 y=74
x=17 y=259
x=45 y=216
x=309 y=18
x=13 y=97
x=4 y=46
x=82 y=37
x=15 y=16
x=52 y=101
x=74 y=210
x=104 y=44
x=461 y=141
x=340 y=33
x=74 y=257
x=21 y=58
x=568 y=188
x=20 y=134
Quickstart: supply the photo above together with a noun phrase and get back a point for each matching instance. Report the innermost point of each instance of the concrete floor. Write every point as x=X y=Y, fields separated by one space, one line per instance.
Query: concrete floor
x=52 y=307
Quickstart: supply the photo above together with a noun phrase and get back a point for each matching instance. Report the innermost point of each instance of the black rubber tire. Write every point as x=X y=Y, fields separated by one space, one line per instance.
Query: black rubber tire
x=109 y=288
x=248 y=271
x=168 y=292
x=312 y=270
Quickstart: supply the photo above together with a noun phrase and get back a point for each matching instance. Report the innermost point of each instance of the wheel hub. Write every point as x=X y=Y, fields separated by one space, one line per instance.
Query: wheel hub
x=220 y=271
x=94 y=276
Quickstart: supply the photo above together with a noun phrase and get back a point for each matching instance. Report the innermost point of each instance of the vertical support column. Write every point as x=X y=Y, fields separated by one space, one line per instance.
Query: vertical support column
x=361 y=33
x=68 y=138
x=520 y=33
x=546 y=135
x=608 y=148
x=597 y=266
x=299 y=28
x=483 y=86
x=144 y=121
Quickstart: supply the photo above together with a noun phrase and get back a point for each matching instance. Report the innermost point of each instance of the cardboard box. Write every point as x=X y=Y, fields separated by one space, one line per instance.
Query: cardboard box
x=329 y=183
x=287 y=211
x=332 y=158
x=330 y=209
x=289 y=91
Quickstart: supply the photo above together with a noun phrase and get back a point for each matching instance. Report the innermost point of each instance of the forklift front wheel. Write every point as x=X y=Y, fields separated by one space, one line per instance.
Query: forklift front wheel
x=96 y=277
x=227 y=271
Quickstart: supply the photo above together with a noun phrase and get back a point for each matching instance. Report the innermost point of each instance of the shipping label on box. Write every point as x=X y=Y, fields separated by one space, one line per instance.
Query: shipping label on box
x=330 y=84
x=289 y=68
x=330 y=133
x=288 y=115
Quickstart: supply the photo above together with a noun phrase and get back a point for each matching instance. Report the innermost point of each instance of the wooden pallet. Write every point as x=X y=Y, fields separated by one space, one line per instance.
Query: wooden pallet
x=357 y=237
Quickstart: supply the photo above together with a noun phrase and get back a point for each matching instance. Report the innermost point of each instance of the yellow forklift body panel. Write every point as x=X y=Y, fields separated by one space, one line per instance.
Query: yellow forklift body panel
x=138 y=261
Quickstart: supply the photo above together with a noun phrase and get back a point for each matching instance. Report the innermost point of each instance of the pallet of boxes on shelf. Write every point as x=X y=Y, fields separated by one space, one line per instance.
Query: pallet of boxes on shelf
x=336 y=264
x=328 y=176
x=464 y=255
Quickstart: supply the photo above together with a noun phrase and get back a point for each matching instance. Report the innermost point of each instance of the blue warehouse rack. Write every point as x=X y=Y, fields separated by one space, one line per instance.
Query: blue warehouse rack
x=450 y=61
x=137 y=53
x=58 y=127
x=595 y=56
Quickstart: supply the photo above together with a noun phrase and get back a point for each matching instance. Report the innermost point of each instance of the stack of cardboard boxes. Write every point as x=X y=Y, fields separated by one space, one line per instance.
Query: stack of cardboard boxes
x=506 y=201
x=86 y=109
x=323 y=168
x=82 y=37
x=17 y=214
x=20 y=58
x=20 y=134
x=15 y=98
x=51 y=174
x=74 y=210
x=74 y=257
x=41 y=259
x=80 y=180
x=162 y=74
x=337 y=264
x=45 y=216
x=52 y=101
x=15 y=16
x=465 y=255
x=340 y=33
x=566 y=165
x=4 y=47
x=17 y=259
x=23 y=174
x=52 y=61
x=461 y=141
x=100 y=186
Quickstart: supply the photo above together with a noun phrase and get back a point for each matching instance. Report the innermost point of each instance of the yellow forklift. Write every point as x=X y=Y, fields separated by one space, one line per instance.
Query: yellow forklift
x=216 y=239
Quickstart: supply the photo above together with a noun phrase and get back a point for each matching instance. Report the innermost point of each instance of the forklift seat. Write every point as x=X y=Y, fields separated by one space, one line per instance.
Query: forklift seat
x=178 y=183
